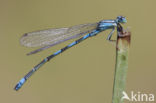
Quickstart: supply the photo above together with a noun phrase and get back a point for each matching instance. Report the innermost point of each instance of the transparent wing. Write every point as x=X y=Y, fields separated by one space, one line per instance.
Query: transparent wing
x=51 y=37
x=48 y=46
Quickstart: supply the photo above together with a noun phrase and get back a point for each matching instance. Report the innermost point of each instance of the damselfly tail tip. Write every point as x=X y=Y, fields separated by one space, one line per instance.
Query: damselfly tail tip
x=17 y=87
x=19 y=84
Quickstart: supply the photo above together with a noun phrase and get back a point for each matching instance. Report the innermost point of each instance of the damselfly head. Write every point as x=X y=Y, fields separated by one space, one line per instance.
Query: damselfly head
x=121 y=19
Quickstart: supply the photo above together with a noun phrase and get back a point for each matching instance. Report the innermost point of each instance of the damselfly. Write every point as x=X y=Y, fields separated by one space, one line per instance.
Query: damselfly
x=51 y=37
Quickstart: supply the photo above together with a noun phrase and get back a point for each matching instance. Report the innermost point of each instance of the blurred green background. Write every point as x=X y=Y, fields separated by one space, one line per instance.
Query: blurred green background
x=84 y=73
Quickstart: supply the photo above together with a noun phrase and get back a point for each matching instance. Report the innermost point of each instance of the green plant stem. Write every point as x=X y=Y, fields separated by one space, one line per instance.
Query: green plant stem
x=122 y=49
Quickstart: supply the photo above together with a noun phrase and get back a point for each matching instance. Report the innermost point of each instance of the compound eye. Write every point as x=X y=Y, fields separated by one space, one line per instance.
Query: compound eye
x=119 y=17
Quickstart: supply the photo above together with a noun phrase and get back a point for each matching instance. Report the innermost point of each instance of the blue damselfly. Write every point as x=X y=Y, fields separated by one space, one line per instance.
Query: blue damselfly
x=50 y=37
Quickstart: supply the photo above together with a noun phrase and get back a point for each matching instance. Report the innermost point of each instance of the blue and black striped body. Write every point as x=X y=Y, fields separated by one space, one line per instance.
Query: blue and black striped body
x=107 y=24
x=102 y=25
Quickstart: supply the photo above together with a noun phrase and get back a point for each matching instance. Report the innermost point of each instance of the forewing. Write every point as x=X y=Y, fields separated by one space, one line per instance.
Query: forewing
x=55 y=36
